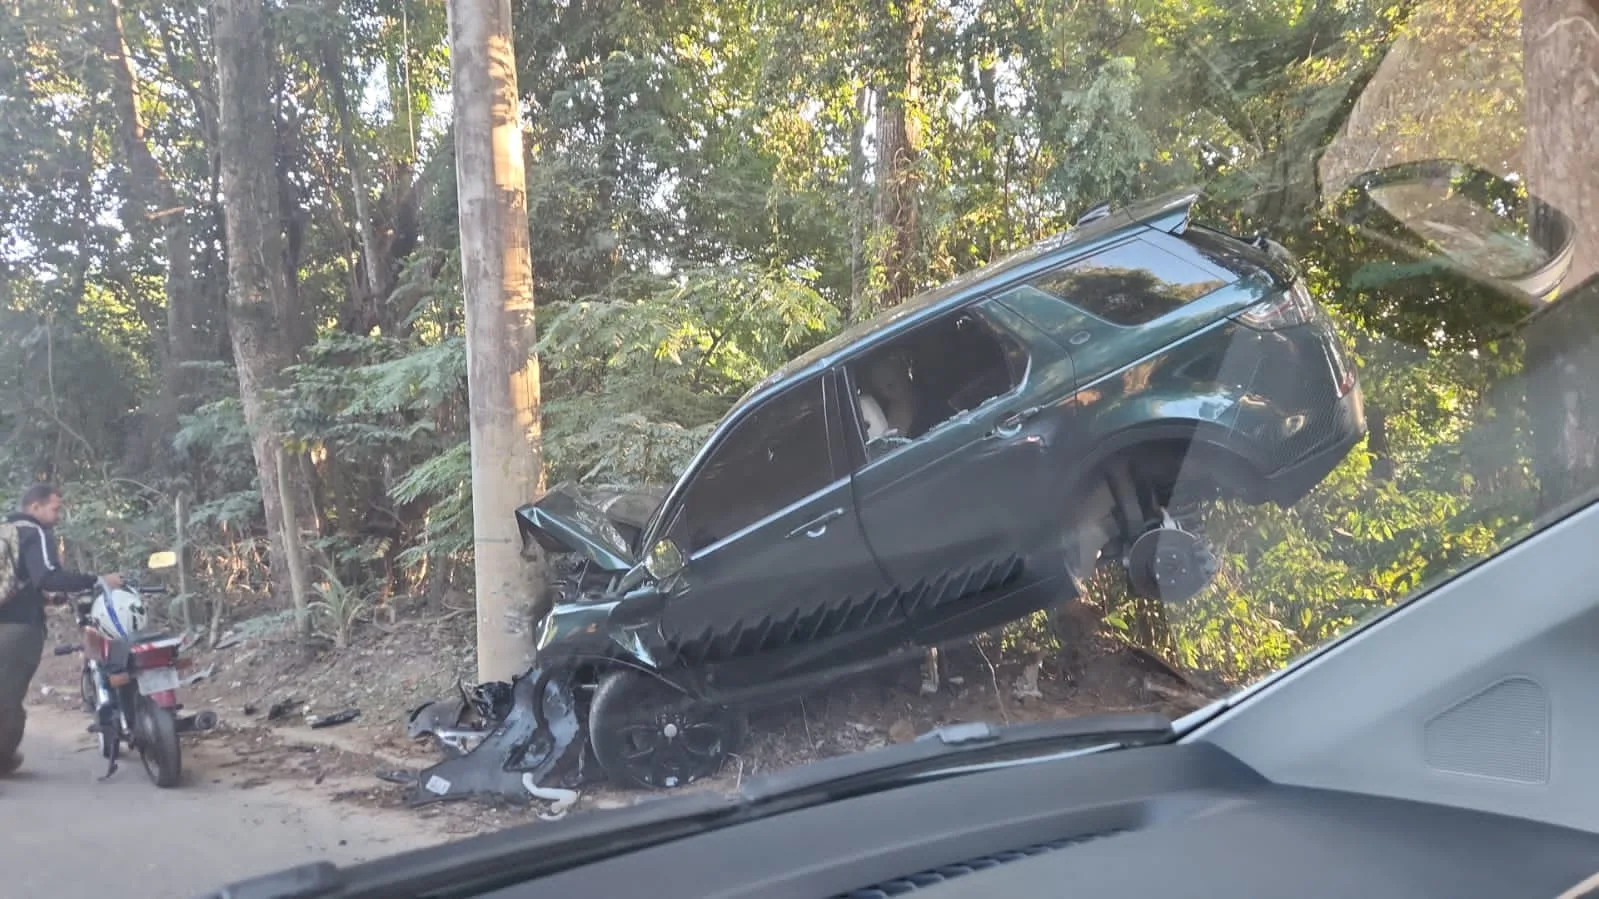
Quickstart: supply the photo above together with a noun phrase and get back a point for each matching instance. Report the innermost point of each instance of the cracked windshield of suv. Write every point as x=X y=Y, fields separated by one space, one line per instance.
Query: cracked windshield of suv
x=422 y=419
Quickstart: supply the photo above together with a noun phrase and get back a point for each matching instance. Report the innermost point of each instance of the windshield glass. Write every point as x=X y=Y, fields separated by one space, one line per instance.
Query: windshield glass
x=317 y=302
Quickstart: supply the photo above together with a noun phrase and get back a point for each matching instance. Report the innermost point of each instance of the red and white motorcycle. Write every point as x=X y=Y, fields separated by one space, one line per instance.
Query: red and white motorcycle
x=131 y=677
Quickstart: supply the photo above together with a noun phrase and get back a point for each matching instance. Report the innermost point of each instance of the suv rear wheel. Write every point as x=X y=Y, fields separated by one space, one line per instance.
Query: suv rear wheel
x=1147 y=509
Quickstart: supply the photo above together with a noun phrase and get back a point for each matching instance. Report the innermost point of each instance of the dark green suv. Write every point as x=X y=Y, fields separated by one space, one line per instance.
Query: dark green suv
x=948 y=466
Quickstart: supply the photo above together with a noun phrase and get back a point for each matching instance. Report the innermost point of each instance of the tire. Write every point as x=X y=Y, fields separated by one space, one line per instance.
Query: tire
x=86 y=688
x=158 y=747
x=647 y=734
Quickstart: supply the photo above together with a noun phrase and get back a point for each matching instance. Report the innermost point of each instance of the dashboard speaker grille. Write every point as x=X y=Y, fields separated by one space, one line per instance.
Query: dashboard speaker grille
x=1501 y=732
x=900 y=886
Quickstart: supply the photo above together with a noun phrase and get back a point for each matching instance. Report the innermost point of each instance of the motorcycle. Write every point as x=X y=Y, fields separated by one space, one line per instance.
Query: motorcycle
x=130 y=678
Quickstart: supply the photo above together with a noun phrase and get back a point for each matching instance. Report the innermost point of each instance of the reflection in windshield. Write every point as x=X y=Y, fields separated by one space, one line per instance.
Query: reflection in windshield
x=1365 y=365
x=1464 y=230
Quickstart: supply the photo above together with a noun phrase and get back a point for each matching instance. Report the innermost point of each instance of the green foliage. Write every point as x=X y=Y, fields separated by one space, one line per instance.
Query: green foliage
x=445 y=482
x=700 y=200
x=636 y=381
x=337 y=609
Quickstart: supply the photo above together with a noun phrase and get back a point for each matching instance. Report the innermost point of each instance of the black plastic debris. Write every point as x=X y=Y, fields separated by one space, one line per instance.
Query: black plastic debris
x=431 y=717
x=457 y=725
x=490 y=701
x=282 y=708
x=336 y=718
x=539 y=740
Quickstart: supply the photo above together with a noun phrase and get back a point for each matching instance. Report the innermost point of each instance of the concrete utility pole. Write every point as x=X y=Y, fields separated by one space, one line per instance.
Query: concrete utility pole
x=503 y=375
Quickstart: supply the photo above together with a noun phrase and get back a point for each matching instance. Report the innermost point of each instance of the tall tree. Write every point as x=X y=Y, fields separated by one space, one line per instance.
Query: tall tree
x=899 y=138
x=156 y=214
x=502 y=372
x=1560 y=50
x=262 y=305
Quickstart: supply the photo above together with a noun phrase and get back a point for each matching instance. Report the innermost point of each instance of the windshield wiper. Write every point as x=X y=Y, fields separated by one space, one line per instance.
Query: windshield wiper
x=491 y=861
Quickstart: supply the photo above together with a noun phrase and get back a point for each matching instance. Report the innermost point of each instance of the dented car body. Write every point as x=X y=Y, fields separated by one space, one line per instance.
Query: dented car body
x=949 y=466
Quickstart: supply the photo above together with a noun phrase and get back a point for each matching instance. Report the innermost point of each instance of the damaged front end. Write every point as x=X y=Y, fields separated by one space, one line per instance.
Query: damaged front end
x=528 y=739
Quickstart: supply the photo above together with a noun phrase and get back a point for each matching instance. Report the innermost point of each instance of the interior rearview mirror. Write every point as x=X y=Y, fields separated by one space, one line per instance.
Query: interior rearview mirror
x=162 y=560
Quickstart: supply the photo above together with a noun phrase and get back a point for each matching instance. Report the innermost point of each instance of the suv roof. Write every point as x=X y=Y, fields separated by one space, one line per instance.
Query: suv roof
x=1167 y=212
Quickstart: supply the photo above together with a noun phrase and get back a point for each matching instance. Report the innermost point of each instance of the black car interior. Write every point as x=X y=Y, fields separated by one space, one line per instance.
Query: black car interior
x=955 y=364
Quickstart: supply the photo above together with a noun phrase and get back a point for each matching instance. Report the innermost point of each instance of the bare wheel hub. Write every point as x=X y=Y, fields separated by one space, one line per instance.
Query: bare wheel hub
x=1170 y=564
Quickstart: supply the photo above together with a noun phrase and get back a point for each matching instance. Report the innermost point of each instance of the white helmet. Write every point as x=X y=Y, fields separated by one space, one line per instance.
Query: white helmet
x=118 y=614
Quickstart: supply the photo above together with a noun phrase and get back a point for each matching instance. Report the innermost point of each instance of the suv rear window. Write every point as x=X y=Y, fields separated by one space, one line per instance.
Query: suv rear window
x=1130 y=284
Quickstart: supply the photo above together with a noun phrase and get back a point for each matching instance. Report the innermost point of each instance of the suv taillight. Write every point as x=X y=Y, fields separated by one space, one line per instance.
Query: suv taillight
x=1343 y=371
x=1290 y=308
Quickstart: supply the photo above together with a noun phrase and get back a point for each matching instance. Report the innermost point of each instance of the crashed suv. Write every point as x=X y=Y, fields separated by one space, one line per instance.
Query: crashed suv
x=946 y=467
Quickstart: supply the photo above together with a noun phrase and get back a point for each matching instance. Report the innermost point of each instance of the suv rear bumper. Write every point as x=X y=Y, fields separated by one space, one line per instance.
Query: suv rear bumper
x=1289 y=484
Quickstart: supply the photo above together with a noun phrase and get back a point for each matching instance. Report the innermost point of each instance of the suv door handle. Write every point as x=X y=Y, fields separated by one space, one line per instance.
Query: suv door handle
x=1011 y=425
x=817 y=526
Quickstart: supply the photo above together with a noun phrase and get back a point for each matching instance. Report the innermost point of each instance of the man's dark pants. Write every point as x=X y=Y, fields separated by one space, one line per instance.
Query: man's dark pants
x=21 y=648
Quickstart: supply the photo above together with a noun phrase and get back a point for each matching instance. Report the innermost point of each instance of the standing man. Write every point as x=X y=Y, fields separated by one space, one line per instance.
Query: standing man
x=22 y=627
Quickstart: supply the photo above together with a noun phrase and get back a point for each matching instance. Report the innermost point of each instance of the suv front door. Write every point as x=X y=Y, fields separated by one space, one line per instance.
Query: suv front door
x=774 y=550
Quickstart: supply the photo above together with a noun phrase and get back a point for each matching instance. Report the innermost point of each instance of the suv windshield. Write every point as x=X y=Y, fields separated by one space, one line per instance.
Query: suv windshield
x=657 y=396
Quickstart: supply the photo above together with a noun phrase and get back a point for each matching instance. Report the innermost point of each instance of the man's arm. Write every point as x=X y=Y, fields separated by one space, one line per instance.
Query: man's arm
x=43 y=570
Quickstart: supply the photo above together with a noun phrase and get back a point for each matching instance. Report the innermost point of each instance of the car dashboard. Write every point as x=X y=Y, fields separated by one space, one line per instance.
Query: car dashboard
x=1173 y=820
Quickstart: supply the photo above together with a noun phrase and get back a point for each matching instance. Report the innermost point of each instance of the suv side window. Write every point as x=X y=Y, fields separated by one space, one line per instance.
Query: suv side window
x=1129 y=285
x=918 y=381
x=774 y=457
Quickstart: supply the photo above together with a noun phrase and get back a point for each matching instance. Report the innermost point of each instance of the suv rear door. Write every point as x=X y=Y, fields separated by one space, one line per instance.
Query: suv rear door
x=952 y=509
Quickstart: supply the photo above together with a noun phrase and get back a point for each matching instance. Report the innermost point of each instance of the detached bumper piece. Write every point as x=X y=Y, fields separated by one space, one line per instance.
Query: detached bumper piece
x=539 y=743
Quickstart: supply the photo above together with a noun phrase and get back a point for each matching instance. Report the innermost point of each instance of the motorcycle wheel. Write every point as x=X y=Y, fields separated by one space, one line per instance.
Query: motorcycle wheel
x=86 y=687
x=158 y=743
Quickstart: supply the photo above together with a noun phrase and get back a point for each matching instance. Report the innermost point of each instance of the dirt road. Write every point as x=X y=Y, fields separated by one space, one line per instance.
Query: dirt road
x=69 y=836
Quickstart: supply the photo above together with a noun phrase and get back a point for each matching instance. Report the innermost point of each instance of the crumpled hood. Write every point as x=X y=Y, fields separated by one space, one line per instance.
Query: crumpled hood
x=590 y=521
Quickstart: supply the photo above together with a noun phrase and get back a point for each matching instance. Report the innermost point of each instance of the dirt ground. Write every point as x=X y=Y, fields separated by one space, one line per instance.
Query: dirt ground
x=390 y=670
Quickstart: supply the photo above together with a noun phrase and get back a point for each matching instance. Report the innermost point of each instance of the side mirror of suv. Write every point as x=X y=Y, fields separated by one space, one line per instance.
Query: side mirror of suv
x=664 y=560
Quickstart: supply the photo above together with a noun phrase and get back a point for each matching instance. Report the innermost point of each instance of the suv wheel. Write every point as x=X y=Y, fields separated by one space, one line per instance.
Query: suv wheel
x=647 y=734
x=1170 y=564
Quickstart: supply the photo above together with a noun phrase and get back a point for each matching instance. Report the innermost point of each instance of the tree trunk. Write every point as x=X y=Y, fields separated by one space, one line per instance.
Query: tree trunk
x=376 y=278
x=898 y=152
x=298 y=588
x=154 y=213
x=858 y=207
x=502 y=372
x=261 y=306
x=1560 y=51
